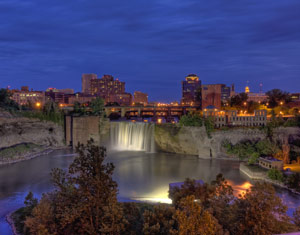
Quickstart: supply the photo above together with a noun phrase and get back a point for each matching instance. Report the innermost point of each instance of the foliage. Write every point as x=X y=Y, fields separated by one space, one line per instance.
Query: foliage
x=260 y=211
x=6 y=102
x=238 y=100
x=252 y=150
x=296 y=217
x=56 y=117
x=13 y=152
x=293 y=181
x=209 y=126
x=193 y=219
x=97 y=106
x=20 y=215
x=276 y=96
x=160 y=220
x=85 y=199
x=191 y=120
x=275 y=174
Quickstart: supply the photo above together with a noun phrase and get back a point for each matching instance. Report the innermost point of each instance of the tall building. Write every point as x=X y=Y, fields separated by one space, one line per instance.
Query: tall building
x=191 y=91
x=211 y=95
x=86 y=82
x=140 y=98
x=106 y=86
x=225 y=93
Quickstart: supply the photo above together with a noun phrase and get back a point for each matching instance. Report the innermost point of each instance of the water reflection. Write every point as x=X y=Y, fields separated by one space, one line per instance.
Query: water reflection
x=140 y=176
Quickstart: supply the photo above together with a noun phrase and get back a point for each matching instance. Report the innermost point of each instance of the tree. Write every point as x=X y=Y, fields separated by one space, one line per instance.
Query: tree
x=276 y=96
x=193 y=219
x=85 y=199
x=191 y=120
x=296 y=217
x=238 y=100
x=261 y=211
x=5 y=100
x=160 y=220
x=275 y=174
x=97 y=106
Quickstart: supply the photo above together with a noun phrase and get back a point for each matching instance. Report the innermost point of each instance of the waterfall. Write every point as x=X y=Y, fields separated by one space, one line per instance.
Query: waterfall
x=132 y=136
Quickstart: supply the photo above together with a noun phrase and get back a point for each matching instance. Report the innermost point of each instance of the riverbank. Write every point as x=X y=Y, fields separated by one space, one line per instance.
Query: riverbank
x=255 y=173
x=30 y=154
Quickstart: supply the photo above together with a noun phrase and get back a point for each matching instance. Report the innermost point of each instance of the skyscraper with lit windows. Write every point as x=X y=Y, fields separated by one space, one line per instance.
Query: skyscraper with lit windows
x=191 y=91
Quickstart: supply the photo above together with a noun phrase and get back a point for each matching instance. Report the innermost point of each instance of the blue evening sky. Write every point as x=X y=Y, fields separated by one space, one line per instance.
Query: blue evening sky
x=150 y=44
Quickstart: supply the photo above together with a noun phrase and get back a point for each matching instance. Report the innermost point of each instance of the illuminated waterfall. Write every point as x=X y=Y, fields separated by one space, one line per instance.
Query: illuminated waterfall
x=132 y=136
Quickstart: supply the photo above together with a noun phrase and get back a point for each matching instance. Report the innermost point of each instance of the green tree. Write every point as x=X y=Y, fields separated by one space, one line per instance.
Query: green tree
x=97 y=106
x=238 y=100
x=276 y=96
x=275 y=174
x=6 y=102
x=191 y=120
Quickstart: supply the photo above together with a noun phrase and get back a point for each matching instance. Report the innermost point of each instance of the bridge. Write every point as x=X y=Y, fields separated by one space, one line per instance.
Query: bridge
x=148 y=111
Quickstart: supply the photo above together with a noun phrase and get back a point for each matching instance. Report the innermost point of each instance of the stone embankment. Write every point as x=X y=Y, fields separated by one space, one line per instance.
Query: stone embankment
x=194 y=140
x=16 y=131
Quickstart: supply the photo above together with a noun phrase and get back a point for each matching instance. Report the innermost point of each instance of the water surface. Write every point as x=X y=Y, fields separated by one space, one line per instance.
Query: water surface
x=140 y=176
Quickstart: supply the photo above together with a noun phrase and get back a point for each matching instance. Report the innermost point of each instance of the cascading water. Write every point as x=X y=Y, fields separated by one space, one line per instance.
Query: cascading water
x=132 y=136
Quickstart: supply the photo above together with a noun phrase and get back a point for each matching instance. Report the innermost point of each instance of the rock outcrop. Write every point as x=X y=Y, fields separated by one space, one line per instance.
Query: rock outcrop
x=18 y=130
x=194 y=140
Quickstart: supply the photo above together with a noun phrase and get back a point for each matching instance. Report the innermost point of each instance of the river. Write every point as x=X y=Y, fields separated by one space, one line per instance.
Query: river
x=140 y=176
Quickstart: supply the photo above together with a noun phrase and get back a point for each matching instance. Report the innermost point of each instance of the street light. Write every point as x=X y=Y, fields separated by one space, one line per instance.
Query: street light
x=245 y=103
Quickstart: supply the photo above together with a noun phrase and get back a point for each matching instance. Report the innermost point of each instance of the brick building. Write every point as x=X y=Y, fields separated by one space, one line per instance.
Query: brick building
x=140 y=98
x=211 y=95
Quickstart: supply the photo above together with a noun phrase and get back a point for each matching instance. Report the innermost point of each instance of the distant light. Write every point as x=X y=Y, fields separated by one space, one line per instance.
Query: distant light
x=159 y=120
x=38 y=104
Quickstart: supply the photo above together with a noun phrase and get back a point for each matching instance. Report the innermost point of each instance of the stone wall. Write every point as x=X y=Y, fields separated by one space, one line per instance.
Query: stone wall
x=81 y=129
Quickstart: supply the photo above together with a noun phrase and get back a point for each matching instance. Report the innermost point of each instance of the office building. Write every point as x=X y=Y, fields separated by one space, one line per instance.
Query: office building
x=140 y=98
x=191 y=91
x=86 y=82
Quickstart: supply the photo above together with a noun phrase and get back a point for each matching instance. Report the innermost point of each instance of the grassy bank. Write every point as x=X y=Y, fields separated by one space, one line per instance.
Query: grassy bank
x=15 y=152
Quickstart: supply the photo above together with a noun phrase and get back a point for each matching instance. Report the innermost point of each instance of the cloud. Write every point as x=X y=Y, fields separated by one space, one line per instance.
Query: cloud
x=150 y=41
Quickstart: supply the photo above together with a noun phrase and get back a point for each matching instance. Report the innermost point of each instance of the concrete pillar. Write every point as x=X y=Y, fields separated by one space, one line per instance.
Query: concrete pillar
x=123 y=112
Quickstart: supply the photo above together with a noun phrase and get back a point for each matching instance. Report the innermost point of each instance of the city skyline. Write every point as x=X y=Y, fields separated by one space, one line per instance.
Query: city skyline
x=151 y=46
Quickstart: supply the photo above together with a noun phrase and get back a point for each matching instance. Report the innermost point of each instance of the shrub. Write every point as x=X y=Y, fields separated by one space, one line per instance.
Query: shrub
x=191 y=120
x=275 y=174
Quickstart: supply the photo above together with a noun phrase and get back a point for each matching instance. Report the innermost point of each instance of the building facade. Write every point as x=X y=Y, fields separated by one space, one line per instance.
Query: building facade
x=26 y=97
x=233 y=118
x=257 y=97
x=124 y=99
x=225 y=93
x=86 y=82
x=211 y=95
x=140 y=98
x=191 y=91
x=106 y=86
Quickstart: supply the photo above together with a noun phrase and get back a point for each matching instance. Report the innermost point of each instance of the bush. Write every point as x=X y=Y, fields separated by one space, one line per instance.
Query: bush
x=191 y=120
x=275 y=174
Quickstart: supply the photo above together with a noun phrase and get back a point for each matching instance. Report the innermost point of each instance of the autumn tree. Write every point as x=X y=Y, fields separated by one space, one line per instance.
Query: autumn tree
x=160 y=220
x=296 y=217
x=192 y=219
x=85 y=199
x=260 y=211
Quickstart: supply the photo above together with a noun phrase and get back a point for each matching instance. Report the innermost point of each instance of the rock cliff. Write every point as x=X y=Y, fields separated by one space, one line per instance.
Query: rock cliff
x=194 y=140
x=18 y=130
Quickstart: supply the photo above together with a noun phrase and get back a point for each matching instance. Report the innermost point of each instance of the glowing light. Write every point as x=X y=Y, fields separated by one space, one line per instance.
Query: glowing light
x=281 y=103
x=38 y=104
x=159 y=120
x=245 y=103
